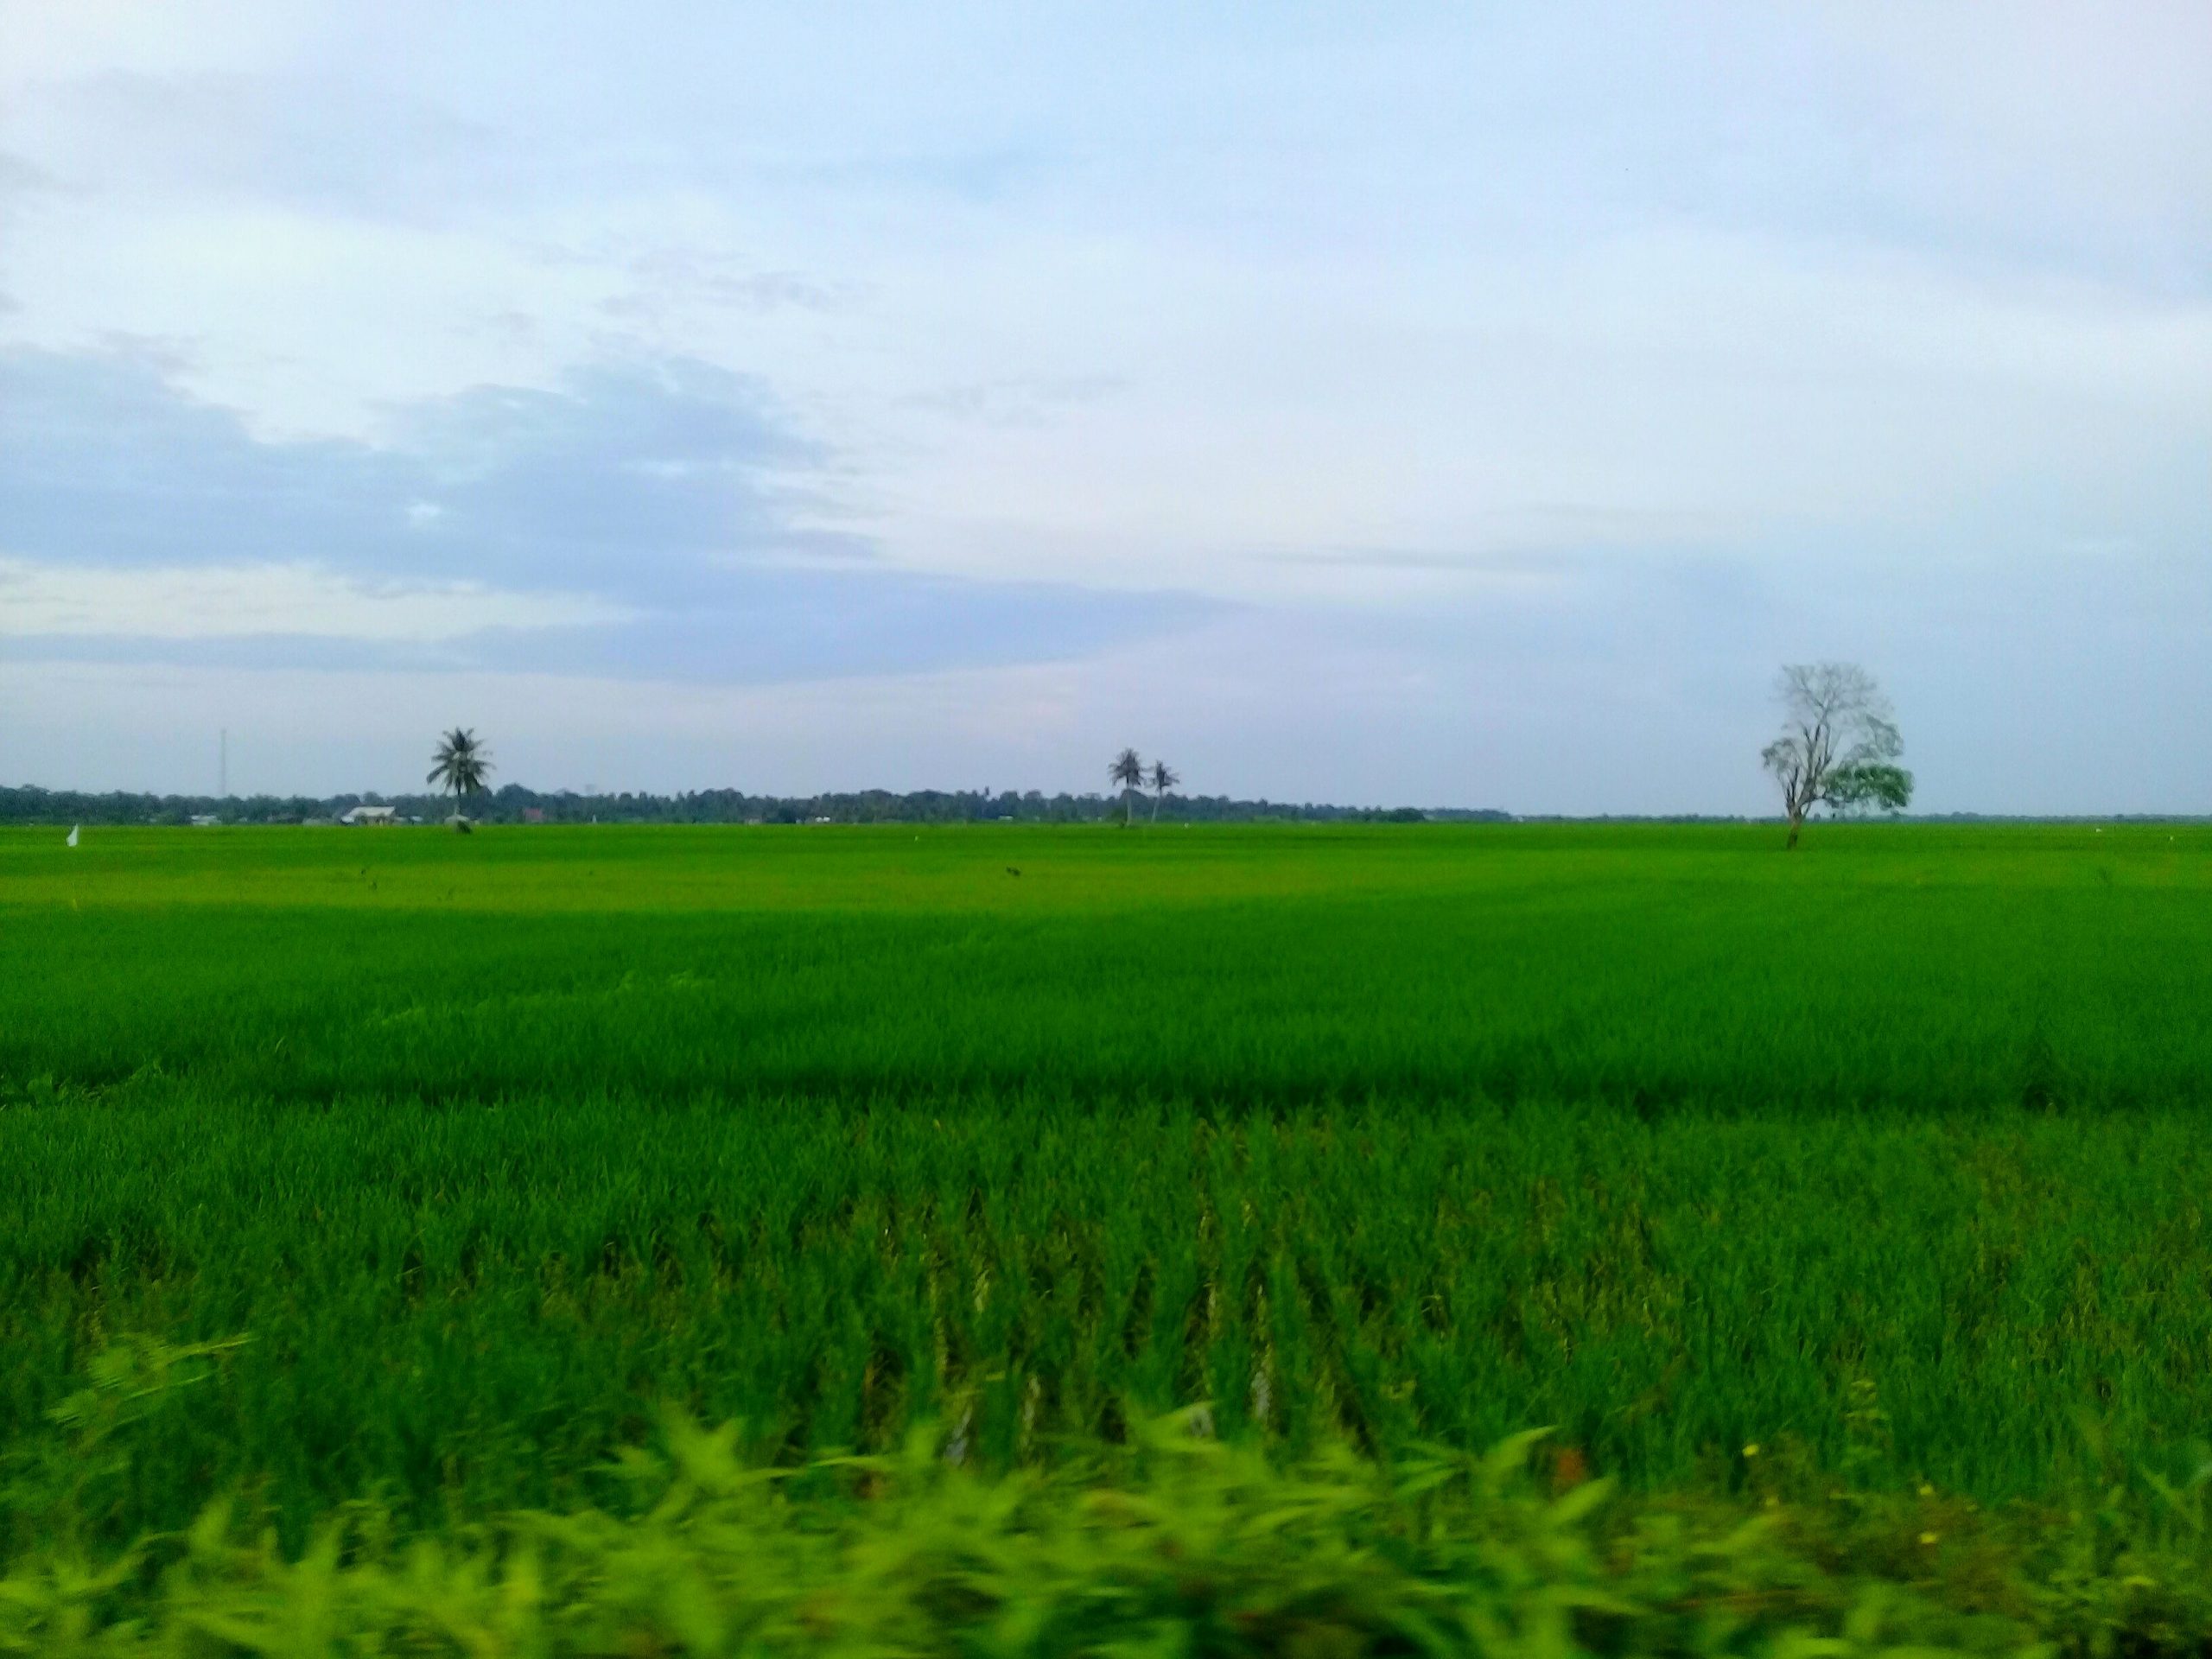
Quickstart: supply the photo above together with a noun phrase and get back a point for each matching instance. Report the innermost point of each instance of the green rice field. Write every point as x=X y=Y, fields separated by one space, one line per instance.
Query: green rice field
x=1890 y=1154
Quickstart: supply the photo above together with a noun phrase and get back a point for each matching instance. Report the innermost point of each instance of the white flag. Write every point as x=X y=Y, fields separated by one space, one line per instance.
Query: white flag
x=73 y=835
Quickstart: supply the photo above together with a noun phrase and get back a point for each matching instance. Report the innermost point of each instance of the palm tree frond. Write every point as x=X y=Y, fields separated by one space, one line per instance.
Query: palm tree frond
x=460 y=764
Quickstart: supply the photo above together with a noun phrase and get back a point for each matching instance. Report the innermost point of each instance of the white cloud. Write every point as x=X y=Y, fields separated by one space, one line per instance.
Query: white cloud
x=245 y=600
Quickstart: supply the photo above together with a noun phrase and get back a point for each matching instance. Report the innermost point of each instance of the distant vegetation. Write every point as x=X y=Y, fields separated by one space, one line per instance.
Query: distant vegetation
x=512 y=801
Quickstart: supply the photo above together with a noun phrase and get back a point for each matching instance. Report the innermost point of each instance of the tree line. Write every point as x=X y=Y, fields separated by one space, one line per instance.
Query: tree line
x=1839 y=749
x=515 y=803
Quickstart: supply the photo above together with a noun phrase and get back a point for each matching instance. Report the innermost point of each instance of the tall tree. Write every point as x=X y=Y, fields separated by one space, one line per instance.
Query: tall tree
x=1164 y=778
x=1839 y=745
x=460 y=765
x=1128 y=771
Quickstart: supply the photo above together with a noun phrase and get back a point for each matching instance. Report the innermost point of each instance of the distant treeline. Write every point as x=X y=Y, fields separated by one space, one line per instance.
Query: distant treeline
x=513 y=803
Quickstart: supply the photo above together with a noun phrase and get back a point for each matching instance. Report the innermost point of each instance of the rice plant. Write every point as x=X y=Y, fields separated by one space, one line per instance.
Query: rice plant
x=1885 y=1156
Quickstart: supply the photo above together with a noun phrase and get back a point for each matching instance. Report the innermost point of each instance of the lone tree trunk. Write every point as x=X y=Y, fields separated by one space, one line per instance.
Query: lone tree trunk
x=1839 y=745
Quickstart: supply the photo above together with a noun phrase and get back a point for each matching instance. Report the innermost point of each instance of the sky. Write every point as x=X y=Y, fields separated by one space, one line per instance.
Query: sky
x=1397 y=405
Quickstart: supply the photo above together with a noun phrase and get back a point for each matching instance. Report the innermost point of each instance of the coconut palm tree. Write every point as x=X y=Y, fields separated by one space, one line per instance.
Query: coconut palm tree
x=1164 y=778
x=1128 y=771
x=460 y=765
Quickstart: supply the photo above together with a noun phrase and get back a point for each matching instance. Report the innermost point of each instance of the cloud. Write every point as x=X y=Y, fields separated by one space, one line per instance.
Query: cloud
x=19 y=177
x=641 y=517
x=229 y=133
x=667 y=280
x=633 y=475
x=1019 y=401
x=227 y=601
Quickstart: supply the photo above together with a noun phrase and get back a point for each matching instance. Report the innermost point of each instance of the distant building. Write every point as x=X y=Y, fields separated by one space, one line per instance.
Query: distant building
x=204 y=820
x=370 y=815
x=533 y=814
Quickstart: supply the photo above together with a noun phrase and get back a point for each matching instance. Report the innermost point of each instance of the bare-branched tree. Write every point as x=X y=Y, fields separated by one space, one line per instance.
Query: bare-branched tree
x=460 y=765
x=1128 y=772
x=1839 y=747
x=1164 y=778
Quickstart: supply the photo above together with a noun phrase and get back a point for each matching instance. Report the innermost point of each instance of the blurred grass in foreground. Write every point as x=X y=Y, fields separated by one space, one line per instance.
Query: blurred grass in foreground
x=1176 y=1544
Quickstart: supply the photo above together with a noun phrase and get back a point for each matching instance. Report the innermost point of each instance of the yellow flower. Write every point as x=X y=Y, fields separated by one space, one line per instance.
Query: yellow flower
x=1752 y=1450
x=1927 y=1537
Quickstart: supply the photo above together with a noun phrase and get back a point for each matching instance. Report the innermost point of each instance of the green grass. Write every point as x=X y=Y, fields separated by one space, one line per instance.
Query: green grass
x=1890 y=1153
x=1647 y=967
x=1173 y=1544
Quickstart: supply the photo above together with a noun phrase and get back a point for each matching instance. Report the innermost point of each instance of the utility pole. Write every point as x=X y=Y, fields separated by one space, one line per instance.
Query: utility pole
x=223 y=767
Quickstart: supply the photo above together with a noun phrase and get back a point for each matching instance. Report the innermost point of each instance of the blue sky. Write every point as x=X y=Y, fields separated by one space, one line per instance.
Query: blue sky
x=1397 y=404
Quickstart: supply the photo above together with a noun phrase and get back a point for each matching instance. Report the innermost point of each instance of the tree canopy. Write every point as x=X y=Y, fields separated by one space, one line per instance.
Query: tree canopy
x=1840 y=744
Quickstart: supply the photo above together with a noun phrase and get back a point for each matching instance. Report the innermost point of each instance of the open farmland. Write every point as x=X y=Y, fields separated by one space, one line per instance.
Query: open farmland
x=1888 y=1154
